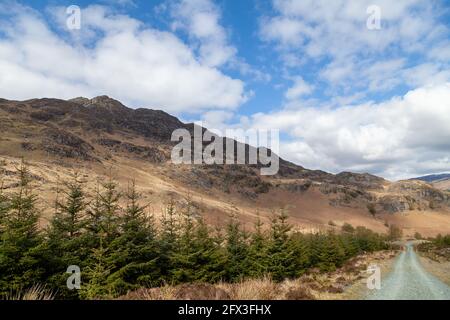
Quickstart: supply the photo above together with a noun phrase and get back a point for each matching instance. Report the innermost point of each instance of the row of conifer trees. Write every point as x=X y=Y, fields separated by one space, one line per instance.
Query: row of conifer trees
x=121 y=248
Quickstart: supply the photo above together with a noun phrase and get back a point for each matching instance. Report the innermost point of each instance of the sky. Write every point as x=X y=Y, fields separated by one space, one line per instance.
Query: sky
x=352 y=85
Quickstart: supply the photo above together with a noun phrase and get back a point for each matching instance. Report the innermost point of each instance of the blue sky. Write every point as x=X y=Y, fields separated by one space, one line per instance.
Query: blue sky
x=345 y=95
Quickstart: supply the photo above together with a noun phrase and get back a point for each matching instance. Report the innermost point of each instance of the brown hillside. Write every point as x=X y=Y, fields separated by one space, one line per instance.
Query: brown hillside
x=101 y=135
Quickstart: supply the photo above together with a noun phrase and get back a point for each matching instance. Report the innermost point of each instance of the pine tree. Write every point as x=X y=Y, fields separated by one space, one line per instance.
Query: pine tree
x=281 y=251
x=66 y=245
x=331 y=254
x=350 y=244
x=109 y=200
x=95 y=284
x=68 y=221
x=183 y=258
x=4 y=209
x=258 y=251
x=209 y=255
x=134 y=253
x=102 y=226
x=19 y=257
x=168 y=241
x=237 y=251
x=302 y=253
x=4 y=203
x=199 y=258
x=103 y=214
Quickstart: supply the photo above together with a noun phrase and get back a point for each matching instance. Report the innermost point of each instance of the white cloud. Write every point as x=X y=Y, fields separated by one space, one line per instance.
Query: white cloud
x=333 y=36
x=122 y=2
x=216 y=119
x=427 y=73
x=399 y=138
x=112 y=54
x=201 y=19
x=299 y=89
x=338 y=28
x=441 y=52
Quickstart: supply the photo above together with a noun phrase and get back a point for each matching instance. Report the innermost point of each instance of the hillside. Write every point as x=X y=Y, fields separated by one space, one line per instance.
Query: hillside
x=97 y=136
x=440 y=181
x=443 y=184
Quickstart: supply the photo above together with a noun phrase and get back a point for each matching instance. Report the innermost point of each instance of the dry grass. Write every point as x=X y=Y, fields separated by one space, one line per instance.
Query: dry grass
x=311 y=286
x=252 y=289
x=166 y=292
x=36 y=292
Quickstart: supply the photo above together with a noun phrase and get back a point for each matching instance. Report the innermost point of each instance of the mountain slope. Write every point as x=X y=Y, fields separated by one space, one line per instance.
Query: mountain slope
x=440 y=181
x=96 y=136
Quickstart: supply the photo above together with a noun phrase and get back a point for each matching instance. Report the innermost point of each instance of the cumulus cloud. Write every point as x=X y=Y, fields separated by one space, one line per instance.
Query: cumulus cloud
x=338 y=28
x=201 y=19
x=111 y=54
x=333 y=36
x=402 y=137
x=341 y=129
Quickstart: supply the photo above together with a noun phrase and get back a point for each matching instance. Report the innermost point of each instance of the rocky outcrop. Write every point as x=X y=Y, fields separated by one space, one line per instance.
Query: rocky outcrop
x=413 y=195
x=65 y=144
x=361 y=180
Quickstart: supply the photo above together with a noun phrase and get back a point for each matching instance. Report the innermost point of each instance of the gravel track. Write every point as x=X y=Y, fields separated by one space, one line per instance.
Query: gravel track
x=410 y=281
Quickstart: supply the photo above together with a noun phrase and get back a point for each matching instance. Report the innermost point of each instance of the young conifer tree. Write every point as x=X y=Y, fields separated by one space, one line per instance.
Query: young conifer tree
x=169 y=241
x=19 y=257
x=134 y=253
x=258 y=251
x=66 y=245
x=102 y=228
x=103 y=214
x=302 y=253
x=331 y=254
x=199 y=258
x=237 y=251
x=4 y=202
x=95 y=275
x=281 y=251
x=183 y=258
x=208 y=255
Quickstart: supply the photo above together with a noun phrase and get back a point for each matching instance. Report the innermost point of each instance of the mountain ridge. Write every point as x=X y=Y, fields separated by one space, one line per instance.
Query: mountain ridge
x=101 y=132
x=433 y=177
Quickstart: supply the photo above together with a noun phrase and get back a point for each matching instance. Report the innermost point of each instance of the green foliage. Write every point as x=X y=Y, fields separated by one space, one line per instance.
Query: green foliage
x=257 y=253
x=348 y=228
x=442 y=241
x=102 y=216
x=4 y=201
x=66 y=243
x=237 y=251
x=4 y=208
x=168 y=240
x=331 y=252
x=20 y=239
x=134 y=252
x=96 y=275
x=199 y=259
x=121 y=248
x=281 y=251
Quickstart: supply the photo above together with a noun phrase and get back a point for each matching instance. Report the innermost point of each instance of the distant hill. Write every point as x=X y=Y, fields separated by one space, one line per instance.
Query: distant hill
x=433 y=177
